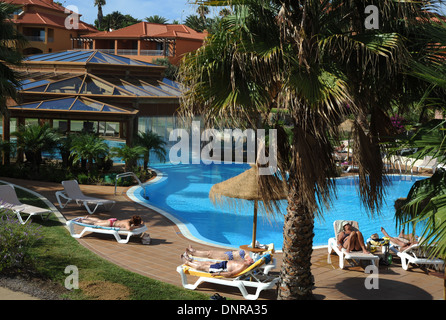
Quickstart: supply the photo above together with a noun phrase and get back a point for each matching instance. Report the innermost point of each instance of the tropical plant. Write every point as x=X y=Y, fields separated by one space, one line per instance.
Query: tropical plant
x=171 y=69
x=64 y=145
x=99 y=4
x=88 y=148
x=157 y=19
x=33 y=139
x=16 y=240
x=10 y=43
x=116 y=20
x=129 y=155
x=425 y=205
x=203 y=11
x=195 y=22
x=6 y=147
x=151 y=142
x=313 y=58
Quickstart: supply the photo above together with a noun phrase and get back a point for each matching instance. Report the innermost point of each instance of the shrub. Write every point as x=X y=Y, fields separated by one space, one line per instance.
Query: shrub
x=82 y=178
x=16 y=240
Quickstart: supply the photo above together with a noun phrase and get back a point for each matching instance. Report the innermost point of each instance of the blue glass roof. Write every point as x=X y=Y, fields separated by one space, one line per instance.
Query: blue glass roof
x=30 y=84
x=71 y=104
x=86 y=56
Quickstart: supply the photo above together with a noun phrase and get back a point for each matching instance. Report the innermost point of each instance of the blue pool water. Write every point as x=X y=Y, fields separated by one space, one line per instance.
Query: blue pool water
x=183 y=192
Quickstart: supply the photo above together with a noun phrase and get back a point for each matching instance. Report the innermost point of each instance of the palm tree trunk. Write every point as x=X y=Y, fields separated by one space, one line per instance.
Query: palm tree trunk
x=296 y=280
x=100 y=15
x=146 y=161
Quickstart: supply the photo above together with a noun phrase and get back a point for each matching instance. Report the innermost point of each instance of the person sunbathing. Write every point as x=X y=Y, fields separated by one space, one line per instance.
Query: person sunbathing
x=227 y=268
x=134 y=223
x=217 y=255
x=350 y=239
x=404 y=241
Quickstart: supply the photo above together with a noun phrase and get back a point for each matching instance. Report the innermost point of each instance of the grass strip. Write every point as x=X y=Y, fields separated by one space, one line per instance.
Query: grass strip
x=58 y=249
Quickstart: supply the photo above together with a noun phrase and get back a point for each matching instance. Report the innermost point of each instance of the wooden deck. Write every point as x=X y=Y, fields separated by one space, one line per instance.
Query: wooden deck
x=160 y=259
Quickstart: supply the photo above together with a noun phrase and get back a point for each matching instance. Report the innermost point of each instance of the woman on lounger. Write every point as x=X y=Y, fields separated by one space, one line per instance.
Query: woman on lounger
x=134 y=223
x=404 y=241
x=217 y=255
x=351 y=240
x=227 y=269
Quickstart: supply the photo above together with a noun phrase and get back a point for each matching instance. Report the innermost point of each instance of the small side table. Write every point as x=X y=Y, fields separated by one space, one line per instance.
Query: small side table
x=246 y=247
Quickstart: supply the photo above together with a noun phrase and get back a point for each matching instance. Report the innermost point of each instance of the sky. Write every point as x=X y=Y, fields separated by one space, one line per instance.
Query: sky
x=140 y=9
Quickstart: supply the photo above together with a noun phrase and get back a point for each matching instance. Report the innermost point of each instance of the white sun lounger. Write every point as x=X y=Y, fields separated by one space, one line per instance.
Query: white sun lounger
x=72 y=192
x=116 y=232
x=9 y=200
x=343 y=255
x=428 y=163
x=256 y=276
x=412 y=255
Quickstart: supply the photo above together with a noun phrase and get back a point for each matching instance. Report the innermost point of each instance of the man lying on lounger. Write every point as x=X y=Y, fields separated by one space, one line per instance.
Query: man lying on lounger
x=227 y=269
x=130 y=224
x=217 y=255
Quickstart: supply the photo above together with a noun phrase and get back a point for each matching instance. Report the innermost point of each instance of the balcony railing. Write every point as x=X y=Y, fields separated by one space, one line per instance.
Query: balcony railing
x=36 y=38
x=109 y=51
x=130 y=52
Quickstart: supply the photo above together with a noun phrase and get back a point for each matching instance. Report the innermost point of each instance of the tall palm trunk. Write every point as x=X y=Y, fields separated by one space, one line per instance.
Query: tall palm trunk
x=100 y=16
x=296 y=278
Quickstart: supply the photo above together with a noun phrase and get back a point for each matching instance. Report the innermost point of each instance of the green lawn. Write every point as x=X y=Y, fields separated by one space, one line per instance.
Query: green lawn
x=58 y=249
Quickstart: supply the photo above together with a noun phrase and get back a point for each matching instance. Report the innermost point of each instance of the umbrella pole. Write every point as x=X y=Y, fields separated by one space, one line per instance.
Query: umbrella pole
x=254 y=228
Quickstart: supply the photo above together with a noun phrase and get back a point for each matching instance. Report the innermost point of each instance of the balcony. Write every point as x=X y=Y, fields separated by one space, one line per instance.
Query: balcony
x=132 y=52
x=35 y=38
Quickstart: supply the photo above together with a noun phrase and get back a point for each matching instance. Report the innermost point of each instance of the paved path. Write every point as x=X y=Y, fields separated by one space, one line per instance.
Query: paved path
x=160 y=259
x=6 y=294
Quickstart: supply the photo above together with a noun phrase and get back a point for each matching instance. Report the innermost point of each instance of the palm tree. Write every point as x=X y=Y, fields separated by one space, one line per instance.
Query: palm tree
x=10 y=43
x=224 y=12
x=195 y=22
x=317 y=60
x=202 y=11
x=99 y=4
x=157 y=19
x=129 y=155
x=6 y=147
x=425 y=204
x=150 y=141
x=88 y=148
x=64 y=145
x=33 y=139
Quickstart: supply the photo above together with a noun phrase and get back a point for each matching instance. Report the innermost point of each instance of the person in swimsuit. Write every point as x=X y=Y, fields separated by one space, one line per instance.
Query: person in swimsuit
x=217 y=255
x=129 y=224
x=227 y=269
x=350 y=239
x=404 y=241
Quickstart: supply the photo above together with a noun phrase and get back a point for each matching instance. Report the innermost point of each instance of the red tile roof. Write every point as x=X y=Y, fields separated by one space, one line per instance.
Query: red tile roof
x=146 y=29
x=49 y=20
x=45 y=18
x=41 y=3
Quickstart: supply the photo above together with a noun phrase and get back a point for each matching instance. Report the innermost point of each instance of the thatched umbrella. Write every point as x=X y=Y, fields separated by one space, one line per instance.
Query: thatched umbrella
x=246 y=187
x=347 y=125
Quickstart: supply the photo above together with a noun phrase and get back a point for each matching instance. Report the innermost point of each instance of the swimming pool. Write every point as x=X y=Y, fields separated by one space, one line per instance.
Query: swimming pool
x=182 y=193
